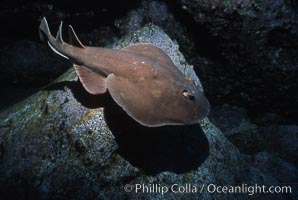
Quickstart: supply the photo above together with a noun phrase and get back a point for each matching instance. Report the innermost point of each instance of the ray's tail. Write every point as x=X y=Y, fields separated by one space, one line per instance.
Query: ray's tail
x=57 y=44
x=45 y=34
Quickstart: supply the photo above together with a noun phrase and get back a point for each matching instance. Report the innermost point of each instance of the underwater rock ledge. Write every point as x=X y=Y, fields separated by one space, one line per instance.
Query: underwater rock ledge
x=61 y=144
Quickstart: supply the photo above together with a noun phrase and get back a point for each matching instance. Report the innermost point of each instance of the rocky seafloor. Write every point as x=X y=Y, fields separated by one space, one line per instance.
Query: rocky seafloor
x=61 y=143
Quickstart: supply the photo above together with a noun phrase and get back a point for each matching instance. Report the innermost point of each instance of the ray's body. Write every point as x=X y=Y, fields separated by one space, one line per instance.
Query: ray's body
x=141 y=78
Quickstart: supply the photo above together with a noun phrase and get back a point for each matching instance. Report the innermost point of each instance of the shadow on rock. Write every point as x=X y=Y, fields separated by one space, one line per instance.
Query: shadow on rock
x=154 y=149
x=18 y=188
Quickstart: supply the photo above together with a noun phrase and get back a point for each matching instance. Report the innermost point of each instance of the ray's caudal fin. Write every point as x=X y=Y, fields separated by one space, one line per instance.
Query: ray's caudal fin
x=57 y=44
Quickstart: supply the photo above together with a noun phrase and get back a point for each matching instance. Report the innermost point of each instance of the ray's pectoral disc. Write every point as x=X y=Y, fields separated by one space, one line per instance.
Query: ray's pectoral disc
x=141 y=78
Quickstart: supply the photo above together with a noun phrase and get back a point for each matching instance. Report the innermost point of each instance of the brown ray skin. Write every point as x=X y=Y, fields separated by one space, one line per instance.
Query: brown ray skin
x=141 y=78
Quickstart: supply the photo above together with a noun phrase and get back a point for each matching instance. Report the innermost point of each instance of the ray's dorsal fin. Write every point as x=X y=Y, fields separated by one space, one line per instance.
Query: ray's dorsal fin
x=93 y=82
x=73 y=38
x=151 y=51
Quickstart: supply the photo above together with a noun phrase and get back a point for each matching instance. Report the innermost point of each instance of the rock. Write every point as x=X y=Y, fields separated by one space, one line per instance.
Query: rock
x=237 y=127
x=11 y=95
x=28 y=63
x=254 y=45
x=25 y=67
x=283 y=141
x=22 y=20
x=227 y=118
x=1 y=147
x=286 y=140
x=157 y=13
x=265 y=119
x=251 y=139
x=61 y=144
x=280 y=140
x=283 y=171
x=286 y=173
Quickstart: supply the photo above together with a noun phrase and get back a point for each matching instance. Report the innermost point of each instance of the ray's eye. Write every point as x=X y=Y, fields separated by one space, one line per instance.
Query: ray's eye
x=190 y=80
x=188 y=95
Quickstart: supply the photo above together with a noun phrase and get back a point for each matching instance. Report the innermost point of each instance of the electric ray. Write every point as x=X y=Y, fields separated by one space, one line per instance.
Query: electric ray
x=141 y=78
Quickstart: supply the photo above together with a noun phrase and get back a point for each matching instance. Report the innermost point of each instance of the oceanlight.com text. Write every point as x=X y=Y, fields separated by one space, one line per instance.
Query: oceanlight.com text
x=210 y=188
